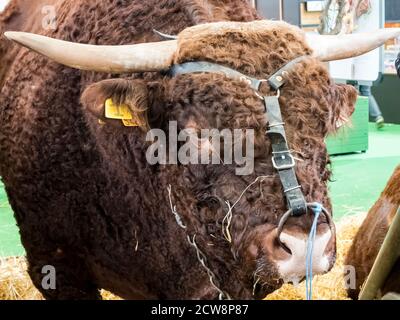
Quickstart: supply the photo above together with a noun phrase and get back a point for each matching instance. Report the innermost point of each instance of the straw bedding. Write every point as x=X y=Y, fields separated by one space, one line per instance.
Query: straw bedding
x=16 y=285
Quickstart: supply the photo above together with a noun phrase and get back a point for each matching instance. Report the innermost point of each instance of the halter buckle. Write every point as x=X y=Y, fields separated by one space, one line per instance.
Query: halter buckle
x=284 y=166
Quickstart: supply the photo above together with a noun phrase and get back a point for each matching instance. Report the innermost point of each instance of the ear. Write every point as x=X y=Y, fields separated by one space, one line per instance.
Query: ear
x=345 y=100
x=118 y=102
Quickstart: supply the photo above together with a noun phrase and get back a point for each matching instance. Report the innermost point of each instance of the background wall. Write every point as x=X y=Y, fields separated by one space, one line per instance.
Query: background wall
x=387 y=87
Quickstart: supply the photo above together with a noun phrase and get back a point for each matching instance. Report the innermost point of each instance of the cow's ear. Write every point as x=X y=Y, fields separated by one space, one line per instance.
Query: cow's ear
x=118 y=102
x=344 y=100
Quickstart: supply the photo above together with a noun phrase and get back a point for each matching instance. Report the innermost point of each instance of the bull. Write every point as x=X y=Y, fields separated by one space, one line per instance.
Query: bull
x=89 y=204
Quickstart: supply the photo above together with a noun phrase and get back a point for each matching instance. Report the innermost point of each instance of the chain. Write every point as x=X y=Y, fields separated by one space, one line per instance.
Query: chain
x=203 y=261
x=200 y=255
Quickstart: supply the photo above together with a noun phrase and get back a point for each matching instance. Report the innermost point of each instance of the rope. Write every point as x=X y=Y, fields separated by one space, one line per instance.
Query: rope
x=317 y=208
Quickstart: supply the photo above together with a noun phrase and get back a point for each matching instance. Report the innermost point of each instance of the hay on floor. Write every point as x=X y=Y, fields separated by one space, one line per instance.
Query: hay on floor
x=15 y=283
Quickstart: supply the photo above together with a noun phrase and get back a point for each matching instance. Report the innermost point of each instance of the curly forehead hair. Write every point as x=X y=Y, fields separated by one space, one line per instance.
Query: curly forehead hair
x=258 y=48
x=310 y=99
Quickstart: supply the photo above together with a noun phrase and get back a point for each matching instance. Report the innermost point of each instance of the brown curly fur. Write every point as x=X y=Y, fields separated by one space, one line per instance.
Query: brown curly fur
x=19 y=15
x=371 y=235
x=84 y=197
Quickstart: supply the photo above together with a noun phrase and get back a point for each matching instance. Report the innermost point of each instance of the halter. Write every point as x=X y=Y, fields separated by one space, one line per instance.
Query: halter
x=282 y=158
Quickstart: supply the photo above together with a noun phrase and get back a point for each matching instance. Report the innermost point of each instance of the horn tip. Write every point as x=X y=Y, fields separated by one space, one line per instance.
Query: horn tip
x=8 y=35
x=11 y=35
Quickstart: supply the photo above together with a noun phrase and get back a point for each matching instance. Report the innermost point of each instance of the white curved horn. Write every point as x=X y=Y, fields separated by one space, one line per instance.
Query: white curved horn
x=154 y=56
x=330 y=48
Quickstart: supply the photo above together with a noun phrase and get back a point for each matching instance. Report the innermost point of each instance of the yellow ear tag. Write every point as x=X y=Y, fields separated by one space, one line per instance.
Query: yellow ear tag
x=120 y=112
x=130 y=123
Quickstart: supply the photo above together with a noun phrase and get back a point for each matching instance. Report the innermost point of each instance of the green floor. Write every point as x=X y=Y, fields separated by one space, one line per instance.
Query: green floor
x=9 y=237
x=358 y=181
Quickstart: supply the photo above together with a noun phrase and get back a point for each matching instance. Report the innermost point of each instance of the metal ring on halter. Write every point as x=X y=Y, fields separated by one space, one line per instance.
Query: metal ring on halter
x=281 y=224
x=288 y=214
x=327 y=215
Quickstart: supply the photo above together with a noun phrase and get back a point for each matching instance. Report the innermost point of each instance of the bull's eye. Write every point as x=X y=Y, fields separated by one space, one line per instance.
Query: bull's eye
x=214 y=202
x=253 y=195
x=210 y=202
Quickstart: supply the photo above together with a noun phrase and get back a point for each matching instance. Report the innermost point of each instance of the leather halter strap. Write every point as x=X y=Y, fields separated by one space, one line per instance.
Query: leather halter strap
x=275 y=81
x=282 y=158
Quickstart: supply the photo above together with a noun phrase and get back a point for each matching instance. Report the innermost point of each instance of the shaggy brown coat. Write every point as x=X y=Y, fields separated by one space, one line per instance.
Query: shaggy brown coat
x=86 y=200
x=369 y=238
x=19 y=15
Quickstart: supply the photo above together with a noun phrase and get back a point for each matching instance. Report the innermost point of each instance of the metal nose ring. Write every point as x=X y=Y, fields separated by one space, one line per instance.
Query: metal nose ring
x=288 y=214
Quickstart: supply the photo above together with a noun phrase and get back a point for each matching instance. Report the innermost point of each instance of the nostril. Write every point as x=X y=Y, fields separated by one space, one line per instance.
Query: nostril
x=281 y=243
x=284 y=246
x=322 y=220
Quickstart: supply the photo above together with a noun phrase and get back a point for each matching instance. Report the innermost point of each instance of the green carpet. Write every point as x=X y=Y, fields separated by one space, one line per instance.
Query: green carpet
x=9 y=237
x=358 y=180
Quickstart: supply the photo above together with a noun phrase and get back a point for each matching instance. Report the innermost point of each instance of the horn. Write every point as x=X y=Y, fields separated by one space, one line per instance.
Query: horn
x=330 y=48
x=143 y=57
x=165 y=36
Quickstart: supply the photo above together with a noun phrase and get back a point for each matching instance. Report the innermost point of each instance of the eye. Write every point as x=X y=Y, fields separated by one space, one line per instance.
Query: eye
x=210 y=202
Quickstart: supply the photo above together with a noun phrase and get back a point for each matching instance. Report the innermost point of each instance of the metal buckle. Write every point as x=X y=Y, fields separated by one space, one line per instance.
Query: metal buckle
x=290 y=165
